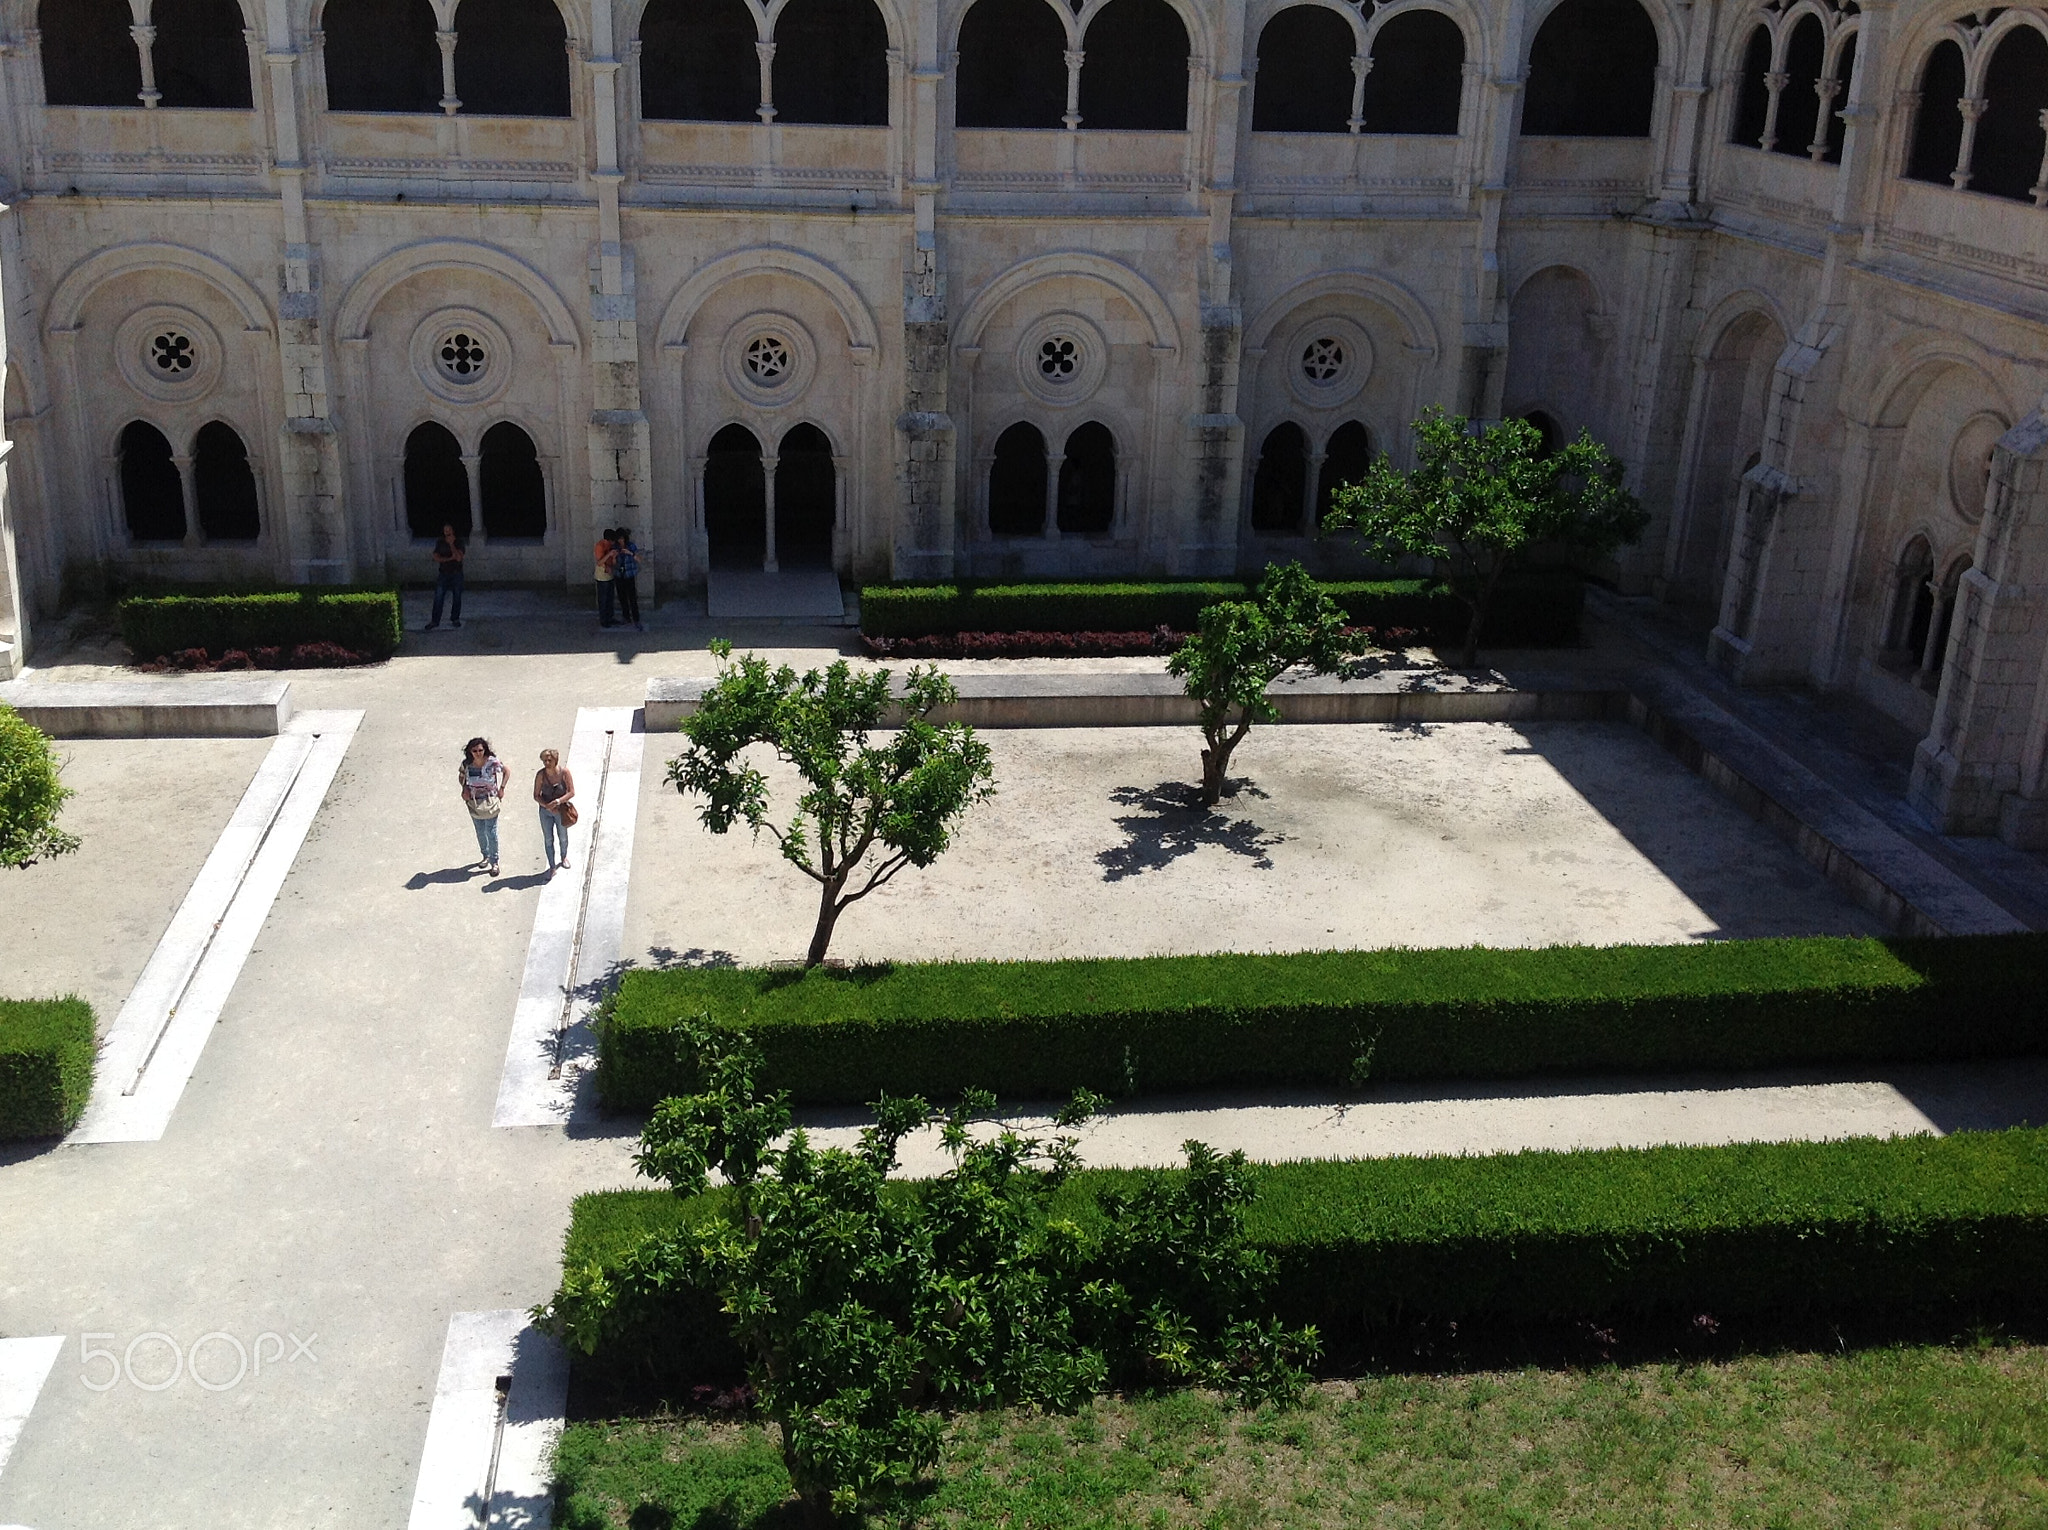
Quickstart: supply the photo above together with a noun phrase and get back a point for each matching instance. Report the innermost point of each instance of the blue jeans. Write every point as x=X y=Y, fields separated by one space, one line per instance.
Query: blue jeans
x=487 y=837
x=552 y=829
x=605 y=598
x=447 y=581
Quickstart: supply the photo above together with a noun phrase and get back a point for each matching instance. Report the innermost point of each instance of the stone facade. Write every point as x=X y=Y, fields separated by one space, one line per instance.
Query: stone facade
x=1824 y=362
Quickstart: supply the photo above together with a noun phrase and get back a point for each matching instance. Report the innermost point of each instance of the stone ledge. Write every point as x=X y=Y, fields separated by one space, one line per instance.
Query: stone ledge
x=168 y=708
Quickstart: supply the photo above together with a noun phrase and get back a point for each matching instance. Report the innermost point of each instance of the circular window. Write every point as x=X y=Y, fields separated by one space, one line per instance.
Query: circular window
x=1328 y=361
x=768 y=361
x=462 y=356
x=1061 y=359
x=168 y=353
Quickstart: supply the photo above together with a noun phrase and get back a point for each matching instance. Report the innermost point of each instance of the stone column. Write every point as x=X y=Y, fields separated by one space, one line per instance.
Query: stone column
x=769 y=464
x=1979 y=770
x=472 y=468
x=190 y=491
x=1054 y=461
x=14 y=603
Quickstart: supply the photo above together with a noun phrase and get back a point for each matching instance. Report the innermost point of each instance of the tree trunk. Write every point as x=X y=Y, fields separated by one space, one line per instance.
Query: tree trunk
x=1215 y=766
x=1469 y=657
x=828 y=916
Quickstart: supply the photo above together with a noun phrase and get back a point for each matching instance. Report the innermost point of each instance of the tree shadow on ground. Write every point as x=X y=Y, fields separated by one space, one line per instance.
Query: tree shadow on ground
x=1171 y=822
x=665 y=957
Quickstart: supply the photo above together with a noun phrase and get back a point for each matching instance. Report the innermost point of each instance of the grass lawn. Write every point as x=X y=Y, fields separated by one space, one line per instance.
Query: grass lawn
x=1908 y=1436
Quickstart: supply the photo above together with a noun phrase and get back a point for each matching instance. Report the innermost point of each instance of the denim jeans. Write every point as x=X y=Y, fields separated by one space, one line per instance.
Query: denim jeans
x=552 y=829
x=627 y=592
x=447 y=581
x=487 y=837
x=605 y=598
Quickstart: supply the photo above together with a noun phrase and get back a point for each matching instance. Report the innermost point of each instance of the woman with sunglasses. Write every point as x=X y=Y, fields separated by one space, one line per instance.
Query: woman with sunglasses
x=483 y=778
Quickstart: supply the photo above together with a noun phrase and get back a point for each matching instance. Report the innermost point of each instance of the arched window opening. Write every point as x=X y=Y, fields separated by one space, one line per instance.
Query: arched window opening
x=697 y=62
x=224 y=485
x=832 y=63
x=1346 y=460
x=1013 y=67
x=1418 y=75
x=1280 y=482
x=1753 y=92
x=1592 y=72
x=806 y=498
x=1912 y=602
x=511 y=59
x=1548 y=428
x=1799 y=101
x=381 y=57
x=511 y=485
x=2006 y=159
x=200 y=55
x=1304 y=82
x=88 y=57
x=1837 y=126
x=436 y=483
x=1087 y=501
x=1134 y=73
x=1938 y=127
x=152 y=496
x=735 y=499
x=1016 y=483
x=1936 y=654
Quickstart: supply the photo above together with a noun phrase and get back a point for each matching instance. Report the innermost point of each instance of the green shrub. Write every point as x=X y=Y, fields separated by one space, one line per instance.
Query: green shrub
x=1037 y=1030
x=46 y=1060
x=365 y=620
x=1534 y=610
x=1865 y=1226
x=31 y=795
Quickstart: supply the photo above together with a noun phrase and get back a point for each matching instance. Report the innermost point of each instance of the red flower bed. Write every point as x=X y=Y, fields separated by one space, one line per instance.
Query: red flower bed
x=319 y=655
x=1065 y=645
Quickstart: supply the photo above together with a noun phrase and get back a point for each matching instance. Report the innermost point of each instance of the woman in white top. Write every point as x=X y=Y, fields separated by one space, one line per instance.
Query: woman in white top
x=553 y=789
x=483 y=777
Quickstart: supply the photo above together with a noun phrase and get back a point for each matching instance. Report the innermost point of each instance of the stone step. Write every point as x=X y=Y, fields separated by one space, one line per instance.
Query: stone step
x=172 y=707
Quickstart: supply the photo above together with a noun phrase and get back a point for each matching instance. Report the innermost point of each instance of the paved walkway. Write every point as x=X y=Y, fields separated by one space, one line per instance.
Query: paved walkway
x=329 y=1193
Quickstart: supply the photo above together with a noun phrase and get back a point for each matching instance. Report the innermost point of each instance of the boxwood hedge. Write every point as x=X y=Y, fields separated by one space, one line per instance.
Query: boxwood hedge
x=1863 y=1227
x=46 y=1061
x=1335 y=1018
x=1534 y=611
x=365 y=620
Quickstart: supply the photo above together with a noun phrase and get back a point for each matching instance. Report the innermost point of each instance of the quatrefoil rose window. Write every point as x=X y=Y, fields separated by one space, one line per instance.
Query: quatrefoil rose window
x=462 y=356
x=172 y=355
x=1059 y=359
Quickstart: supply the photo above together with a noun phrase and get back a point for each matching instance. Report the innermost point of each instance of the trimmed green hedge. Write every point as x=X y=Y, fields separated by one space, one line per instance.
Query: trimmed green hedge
x=46 y=1058
x=1854 y=1227
x=1036 y=1030
x=1533 y=611
x=365 y=620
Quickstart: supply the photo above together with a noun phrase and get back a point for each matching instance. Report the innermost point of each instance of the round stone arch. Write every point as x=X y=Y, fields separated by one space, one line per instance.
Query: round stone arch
x=863 y=337
x=1670 y=43
x=1730 y=310
x=67 y=302
x=1122 y=279
x=352 y=319
x=1264 y=11
x=1418 y=329
x=1478 y=39
x=1201 y=41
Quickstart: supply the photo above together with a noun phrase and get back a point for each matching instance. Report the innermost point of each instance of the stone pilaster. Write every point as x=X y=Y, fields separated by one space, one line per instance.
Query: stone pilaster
x=1979 y=770
x=926 y=533
x=1214 y=445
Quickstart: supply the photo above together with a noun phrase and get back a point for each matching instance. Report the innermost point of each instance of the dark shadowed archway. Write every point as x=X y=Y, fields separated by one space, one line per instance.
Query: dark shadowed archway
x=1280 y=481
x=436 y=482
x=697 y=62
x=200 y=55
x=1418 y=75
x=735 y=499
x=1304 y=82
x=152 y=497
x=511 y=59
x=224 y=485
x=806 y=499
x=832 y=63
x=88 y=57
x=1592 y=72
x=1013 y=68
x=1016 y=483
x=1134 y=69
x=1087 y=493
x=511 y=485
x=381 y=57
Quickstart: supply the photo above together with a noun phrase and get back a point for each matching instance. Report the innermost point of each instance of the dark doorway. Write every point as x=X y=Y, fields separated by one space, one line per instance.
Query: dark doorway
x=806 y=499
x=1346 y=460
x=735 y=499
x=1016 y=482
x=832 y=63
x=1418 y=75
x=88 y=57
x=1547 y=427
x=1938 y=130
x=1087 y=501
x=224 y=485
x=1592 y=72
x=2006 y=159
x=381 y=57
x=1013 y=67
x=1799 y=101
x=1134 y=73
x=1280 y=481
x=436 y=483
x=697 y=62
x=511 y=486
x=201 y=57
x=511 y=59
x=1304 y=82
x=152 y=498
x=1753 y=92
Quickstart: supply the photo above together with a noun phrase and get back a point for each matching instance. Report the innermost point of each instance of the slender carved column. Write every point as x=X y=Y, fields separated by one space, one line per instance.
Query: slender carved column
x=1972 y=108
x=450 y=103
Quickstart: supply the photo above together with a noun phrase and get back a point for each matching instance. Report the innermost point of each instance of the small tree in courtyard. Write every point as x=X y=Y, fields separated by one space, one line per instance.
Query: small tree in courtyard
x=867 y=1312
x=30 y=795
x=1240 y=647
x=1483 y=497
x=899 y=799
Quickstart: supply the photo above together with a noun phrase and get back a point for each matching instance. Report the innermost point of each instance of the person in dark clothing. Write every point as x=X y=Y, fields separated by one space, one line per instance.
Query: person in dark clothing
x=626 y=569
x=448 y=555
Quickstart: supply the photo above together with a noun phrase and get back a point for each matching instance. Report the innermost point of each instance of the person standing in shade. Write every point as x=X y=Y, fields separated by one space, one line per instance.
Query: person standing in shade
x=625 y=570
x=602 y=557
x=554 y=789
x=448 y=555
x=483 y=778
